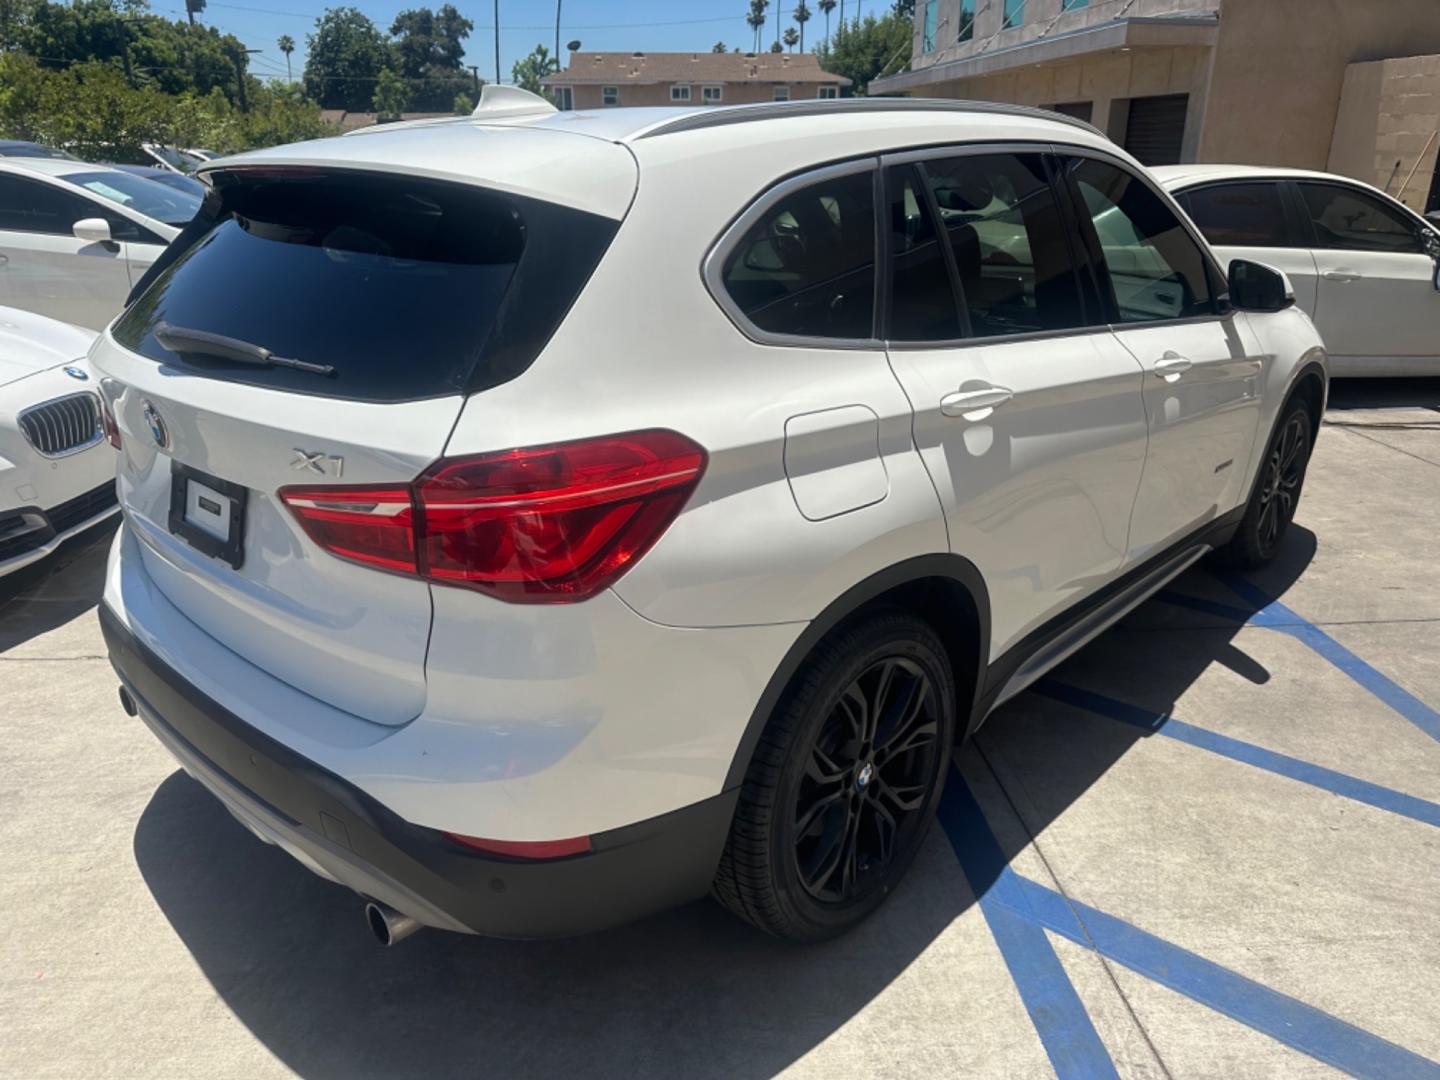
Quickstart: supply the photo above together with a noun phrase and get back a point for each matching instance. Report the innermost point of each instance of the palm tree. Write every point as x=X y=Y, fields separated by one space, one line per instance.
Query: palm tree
x=286 y=45
x=791 y=37
x=801 y=17
x=827 y=6
x=756 y=19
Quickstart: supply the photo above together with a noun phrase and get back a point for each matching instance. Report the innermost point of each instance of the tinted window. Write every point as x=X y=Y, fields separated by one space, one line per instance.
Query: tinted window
x=807 y=267
x=1005 y=231
x=922 y=294
x=141 y=194
x=37 y=207
x=398 y=283
x=1243 y=215
x=1352 y=220
x=1150 y=264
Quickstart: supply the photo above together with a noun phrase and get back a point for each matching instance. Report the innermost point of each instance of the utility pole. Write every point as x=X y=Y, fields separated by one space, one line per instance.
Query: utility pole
x=558 y=3
x=475 y=72
x=497 y=42
x=239 y=58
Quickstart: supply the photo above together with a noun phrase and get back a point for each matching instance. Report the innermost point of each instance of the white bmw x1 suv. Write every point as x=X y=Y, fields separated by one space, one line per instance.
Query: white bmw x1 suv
x=536 y=519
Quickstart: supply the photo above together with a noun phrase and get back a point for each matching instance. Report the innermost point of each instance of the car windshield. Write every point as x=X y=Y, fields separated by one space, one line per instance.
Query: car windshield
x=141 y=194
x=178 y=159
x=188 y=184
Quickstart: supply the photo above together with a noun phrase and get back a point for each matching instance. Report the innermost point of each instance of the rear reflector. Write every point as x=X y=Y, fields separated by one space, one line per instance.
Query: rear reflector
x=546 y=524
x=107 y=422
x=525 y=849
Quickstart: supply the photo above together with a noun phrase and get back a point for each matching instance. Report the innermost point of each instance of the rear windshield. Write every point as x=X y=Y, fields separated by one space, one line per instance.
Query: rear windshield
x=407 y=288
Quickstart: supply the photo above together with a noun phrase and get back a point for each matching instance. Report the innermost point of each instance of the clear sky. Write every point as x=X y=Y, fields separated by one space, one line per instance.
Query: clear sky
x=647 y=25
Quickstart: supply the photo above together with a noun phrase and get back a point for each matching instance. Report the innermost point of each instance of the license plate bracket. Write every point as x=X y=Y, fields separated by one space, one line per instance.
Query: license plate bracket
x=208 y=513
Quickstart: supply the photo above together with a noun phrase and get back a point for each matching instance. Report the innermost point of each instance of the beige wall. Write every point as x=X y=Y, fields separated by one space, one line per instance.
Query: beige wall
x=589 y=97
x=1041 y=18
x=1389 y=116
x=1280 y=66
x=1107 y=80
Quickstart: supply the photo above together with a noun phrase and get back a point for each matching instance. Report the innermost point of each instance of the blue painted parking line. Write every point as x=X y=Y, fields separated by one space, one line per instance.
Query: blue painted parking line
x=1060 y=1019
x=1273 y=615
x=1019 y=910
x=1336 y=783
x=1303 y=1027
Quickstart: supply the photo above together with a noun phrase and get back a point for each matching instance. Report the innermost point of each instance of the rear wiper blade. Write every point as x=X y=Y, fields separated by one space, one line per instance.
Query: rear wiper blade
x=184 y=341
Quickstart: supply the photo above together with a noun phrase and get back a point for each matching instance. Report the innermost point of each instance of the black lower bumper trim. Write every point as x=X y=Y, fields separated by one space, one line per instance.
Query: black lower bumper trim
x=632 y=871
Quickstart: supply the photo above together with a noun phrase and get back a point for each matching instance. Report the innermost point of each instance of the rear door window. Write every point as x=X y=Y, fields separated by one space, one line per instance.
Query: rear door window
x=806 y=266
x=1240 y=215
x=923 y=305
x=407 y=288
x=1005 y=230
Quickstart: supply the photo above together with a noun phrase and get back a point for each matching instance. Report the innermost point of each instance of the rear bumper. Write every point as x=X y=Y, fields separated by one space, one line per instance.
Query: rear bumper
x=341 y=833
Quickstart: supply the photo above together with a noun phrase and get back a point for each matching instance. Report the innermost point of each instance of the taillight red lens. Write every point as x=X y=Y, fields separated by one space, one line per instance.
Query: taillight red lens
x=372 y=525
x=107 y=422
x=541 y=524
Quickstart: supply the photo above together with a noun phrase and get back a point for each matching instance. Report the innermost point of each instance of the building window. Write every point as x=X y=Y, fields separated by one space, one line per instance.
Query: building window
x=932 y=16
x=609 y=95
x=680 y=92
x=710 y=94
x=827 y=92
x=967 y=20
x=564 y=98
x=1073 y=5
x=1014 y=14
x=782 y=93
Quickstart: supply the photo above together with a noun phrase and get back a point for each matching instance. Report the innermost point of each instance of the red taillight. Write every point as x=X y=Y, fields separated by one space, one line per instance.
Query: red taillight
x=541 y=524
x=525 y=849
x=107 y=423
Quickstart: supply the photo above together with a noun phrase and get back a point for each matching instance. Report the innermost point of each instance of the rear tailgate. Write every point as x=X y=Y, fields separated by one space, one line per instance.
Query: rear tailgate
x=399 y=296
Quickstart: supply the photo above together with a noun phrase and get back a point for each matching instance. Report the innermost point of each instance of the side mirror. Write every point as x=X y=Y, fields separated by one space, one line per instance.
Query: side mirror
x=92 y=230
x=1257 y=287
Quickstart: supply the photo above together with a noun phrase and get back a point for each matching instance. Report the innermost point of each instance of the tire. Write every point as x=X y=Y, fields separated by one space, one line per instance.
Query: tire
x=1276 y=495
x=840 y=793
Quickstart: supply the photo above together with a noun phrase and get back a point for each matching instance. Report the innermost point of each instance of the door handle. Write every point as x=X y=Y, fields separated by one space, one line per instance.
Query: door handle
x=4 y=259
x=1172 y=365
x=1341 y=275
x=966 y=402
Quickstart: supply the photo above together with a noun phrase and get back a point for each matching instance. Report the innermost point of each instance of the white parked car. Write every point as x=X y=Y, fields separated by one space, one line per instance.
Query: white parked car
x=536 y=519
x=74 y=237
x=1365 y=266
x=57 y=472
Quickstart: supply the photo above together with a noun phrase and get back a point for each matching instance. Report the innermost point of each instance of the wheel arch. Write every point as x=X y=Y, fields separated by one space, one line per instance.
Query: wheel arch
x=945 y=590
x=1312 y=384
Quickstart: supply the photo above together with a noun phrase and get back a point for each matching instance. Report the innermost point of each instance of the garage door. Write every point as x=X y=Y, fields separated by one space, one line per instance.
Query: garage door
x=1156 y=127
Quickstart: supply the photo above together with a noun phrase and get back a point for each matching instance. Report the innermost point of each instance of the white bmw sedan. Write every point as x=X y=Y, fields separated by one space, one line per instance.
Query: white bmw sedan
x=1363 y=265
x=75 y=237
x=57 y=471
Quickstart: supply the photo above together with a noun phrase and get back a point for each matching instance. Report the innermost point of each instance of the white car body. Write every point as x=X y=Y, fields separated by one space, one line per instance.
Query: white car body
x=56 y=469
x=835 y=472
x=1374 y=299
x=45 y=267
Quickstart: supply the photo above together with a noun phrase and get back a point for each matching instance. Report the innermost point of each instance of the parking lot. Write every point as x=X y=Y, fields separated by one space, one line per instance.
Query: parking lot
x=1207 y=846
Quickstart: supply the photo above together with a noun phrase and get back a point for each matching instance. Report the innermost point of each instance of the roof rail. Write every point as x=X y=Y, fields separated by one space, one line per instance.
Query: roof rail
x=721 y=115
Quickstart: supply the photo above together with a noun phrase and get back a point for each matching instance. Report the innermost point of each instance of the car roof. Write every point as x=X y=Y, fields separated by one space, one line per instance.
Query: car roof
x=52 y=166
x=589 y=159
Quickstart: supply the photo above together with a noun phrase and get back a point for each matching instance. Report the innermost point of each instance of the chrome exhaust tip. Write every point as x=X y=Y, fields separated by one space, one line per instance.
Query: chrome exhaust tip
x=389 y=926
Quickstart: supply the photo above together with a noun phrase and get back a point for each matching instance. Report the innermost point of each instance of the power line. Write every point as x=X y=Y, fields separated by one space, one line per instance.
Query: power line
x=507 y=26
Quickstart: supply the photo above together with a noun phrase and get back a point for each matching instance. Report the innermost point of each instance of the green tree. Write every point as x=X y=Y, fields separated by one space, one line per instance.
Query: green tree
x=391 y=96
x=719 y=47
x=528 y=72
x=801 y=17
x=286 y=45
x=462 y=105
x=863 y=50
x=346 y=55
x=826 y=7
x=775 y=47
x=756 y=20
x=790 y=38
x=427 y=51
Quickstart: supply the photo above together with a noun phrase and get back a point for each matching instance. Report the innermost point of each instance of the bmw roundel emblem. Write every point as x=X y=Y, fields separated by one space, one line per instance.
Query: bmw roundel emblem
x=157 y=425
x=77 y=373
